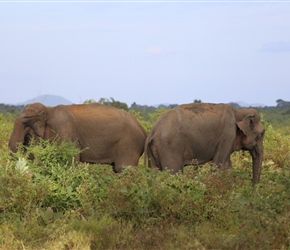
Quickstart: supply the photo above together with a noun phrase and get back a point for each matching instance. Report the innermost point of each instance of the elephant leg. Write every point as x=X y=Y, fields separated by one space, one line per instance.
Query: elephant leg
x=125 y=160
x=117 y=168
x=164 y=156
x=77 y=158
x=222 y=156
x=172 y=162
x=224 y=165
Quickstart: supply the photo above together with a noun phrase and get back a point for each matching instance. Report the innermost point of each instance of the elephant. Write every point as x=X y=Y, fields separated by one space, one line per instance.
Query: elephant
x=204 y=132
x=108 y=135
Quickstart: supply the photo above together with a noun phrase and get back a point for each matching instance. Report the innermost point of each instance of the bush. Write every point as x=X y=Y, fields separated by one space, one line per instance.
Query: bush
x=6 y=127
x=52 y=202
x=276 y=147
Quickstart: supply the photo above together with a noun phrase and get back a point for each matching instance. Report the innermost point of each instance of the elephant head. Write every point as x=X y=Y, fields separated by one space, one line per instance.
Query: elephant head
x=30 y=124
x=250 y=135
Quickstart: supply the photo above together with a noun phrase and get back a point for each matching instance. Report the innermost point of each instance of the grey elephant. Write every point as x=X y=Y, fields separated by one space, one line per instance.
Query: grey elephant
x=108 y=135
x=203 y=132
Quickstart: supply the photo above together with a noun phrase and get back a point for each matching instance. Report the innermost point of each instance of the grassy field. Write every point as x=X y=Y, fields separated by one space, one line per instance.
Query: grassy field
x=54 y=203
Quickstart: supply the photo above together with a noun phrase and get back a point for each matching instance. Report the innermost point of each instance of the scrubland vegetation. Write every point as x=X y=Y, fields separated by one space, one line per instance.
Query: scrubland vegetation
x=54 y=203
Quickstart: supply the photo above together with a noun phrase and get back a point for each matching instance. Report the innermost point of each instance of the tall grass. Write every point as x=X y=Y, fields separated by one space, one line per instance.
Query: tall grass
x=54 y=203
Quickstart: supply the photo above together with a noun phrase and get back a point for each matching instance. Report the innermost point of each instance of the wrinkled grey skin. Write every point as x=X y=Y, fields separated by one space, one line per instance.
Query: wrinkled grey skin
x=202 y=132
x=111 y=135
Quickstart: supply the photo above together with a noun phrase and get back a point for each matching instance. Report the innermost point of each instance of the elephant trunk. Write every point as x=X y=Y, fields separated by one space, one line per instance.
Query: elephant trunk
x=257 y=157
x=12 y=145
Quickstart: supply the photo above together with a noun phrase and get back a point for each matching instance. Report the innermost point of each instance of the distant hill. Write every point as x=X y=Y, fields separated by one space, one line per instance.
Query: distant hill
x=48 y=100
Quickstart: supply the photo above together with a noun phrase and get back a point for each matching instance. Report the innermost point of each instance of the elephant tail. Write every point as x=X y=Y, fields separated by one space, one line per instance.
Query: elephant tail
x=150 y=156
x=146 y=157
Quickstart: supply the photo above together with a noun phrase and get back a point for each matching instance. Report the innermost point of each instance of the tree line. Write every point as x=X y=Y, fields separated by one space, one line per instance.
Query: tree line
x=281 y=109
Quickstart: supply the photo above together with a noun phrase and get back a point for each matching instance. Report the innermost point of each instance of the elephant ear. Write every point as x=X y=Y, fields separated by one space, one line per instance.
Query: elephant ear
x=247 y=124
x=36 y=120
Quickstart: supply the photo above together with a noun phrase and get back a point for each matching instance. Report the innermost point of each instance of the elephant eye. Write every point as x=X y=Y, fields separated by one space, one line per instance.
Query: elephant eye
x=259 y=136
x=262 y=134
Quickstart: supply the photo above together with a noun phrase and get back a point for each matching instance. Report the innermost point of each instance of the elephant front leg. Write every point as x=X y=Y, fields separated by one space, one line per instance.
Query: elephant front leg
x=222 y=161
x=225 y=165
x=222 y=156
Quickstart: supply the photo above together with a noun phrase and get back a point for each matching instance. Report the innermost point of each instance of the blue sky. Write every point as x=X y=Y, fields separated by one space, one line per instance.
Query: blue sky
x=146 y=52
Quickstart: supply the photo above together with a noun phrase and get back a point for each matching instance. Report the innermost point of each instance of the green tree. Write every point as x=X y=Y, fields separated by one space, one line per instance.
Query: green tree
x=89 y=101
x=114 y=103
x=110 y=102
x=282 y=104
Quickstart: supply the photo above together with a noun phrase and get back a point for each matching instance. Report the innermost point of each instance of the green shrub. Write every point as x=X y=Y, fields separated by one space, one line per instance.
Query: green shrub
x=94 y=188
x=145 y=123
x=6 y=126
x=276 y=147
x=52 y=202
x=266 y=215
x=154 y=116
x=50 y=153
x=52 y=175
x=19 y=194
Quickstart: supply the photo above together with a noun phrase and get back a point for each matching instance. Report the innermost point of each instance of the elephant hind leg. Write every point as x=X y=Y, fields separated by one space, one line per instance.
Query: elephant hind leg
x=164 y=157
x=153 y=155
x=172 y=162
x=129 y=159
